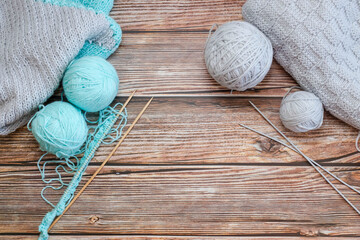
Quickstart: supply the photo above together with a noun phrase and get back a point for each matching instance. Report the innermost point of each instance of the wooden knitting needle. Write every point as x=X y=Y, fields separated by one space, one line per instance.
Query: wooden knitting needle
x=103 y=164
x=126 y=103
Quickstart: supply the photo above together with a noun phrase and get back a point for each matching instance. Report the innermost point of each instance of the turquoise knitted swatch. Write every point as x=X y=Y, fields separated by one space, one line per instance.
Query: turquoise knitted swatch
x=104 y=132
x=99 y=7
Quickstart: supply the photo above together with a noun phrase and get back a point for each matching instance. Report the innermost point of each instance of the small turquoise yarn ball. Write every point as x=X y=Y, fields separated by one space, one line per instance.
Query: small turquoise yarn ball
x=90 y=83
x=60 y=128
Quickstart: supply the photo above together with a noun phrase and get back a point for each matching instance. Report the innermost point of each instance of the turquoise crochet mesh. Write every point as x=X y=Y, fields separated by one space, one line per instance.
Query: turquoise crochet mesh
x=102 y=131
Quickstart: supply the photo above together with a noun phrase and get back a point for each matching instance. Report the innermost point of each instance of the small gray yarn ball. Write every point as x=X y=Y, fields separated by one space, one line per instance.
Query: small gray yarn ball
x=238 y=55
x=301 y=111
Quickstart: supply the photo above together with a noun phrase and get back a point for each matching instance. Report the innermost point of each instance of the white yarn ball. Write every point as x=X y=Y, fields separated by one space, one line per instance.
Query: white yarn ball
x=238 y=55
x=301 y=111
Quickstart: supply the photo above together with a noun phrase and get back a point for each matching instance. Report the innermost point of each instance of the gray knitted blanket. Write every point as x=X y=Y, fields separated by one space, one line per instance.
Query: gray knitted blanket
x=318 y=43
x=38 y=39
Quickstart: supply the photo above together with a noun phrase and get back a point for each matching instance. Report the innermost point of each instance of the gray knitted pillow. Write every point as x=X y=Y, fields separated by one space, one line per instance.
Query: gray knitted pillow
x=318 y=43
x=38 y=39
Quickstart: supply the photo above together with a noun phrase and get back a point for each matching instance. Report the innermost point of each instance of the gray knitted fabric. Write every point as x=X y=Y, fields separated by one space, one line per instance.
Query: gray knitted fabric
x=38 y=39
x=318 y=43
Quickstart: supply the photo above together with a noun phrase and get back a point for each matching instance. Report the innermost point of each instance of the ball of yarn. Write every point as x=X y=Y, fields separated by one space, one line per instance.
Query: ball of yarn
x=60 y=128
x=90 y=83
x=301 y=111
x=238 y=55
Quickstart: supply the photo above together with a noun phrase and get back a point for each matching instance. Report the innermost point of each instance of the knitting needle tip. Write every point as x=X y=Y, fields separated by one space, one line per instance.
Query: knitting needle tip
x=104 y=162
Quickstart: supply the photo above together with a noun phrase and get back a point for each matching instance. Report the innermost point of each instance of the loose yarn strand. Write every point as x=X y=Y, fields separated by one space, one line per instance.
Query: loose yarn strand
x=62 y=96
x=102 y=165
x=42 y=169
x=311 y=162
x=101 y=132
x=357 y=142
x=28 y=125
x=288 y=92
x=215 y=25
x=104 y=129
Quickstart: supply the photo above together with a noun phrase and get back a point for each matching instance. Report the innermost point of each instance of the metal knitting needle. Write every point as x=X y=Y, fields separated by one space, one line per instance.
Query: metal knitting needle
x=103 y=164
x=302 y=154
x=288 y=146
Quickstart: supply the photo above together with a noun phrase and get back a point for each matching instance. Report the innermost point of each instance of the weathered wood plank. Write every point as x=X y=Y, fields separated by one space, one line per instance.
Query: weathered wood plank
x=174 y=15
x=188 y=200
x=167 y=237
x=168 y=63
x=173 y=64
x=205 y=131
x=203 y=176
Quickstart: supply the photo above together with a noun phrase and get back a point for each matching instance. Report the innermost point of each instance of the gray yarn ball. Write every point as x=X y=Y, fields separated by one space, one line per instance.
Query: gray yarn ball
x=238 y=55
x=301 y=111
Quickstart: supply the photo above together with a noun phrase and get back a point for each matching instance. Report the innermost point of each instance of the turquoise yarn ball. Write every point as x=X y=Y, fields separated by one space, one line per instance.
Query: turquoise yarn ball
x=60 y=128
x=90 y=83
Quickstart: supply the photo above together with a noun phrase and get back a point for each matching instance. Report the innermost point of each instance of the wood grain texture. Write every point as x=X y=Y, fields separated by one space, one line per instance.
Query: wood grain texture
x=167 y=237
x=187 y=171
x=154 y=237
x=174 y=15
x=162 y=49
x=172 y=63
x=188 y=200
x=205 y=131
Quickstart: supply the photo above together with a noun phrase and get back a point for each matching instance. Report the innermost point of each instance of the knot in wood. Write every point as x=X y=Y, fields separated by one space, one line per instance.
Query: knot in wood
x=268 y=145
x=94 y=219
x=312 y=232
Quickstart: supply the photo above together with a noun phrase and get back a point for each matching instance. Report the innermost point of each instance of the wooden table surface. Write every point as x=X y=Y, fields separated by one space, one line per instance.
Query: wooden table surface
x=187 y=171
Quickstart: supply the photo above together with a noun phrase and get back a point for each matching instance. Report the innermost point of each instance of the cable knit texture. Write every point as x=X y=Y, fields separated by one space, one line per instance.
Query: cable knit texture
x=38 y=39
x=317 y=42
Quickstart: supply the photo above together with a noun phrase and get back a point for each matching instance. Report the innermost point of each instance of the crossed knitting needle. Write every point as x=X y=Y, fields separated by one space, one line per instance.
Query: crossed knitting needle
x=313 y=163
x=108 y=157
x=292 y=147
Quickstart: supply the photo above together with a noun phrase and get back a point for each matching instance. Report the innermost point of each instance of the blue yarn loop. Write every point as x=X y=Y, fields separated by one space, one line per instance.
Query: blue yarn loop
x=102 y=131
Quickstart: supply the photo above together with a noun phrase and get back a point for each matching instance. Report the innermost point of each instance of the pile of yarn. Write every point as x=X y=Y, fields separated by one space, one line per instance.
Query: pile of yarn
x=238 y=55
x=90 y=84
